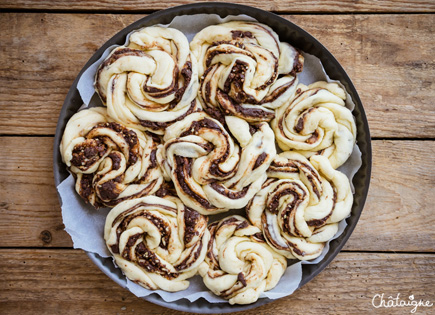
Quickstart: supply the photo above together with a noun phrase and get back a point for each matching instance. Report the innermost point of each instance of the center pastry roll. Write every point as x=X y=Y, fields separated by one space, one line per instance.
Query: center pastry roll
x=158 y=243
x=300 y=205
x=150 y=83
x=239 y=264
x=245 y=70
x=212 y=172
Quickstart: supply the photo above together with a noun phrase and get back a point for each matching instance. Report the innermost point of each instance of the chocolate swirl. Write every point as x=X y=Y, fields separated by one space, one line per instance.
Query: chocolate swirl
x=316 y=121
x=150 y=83
x=239 y=264
x=111 y=163
x=210 y=171
x=157 y=242
x=300 y=205
x=245 y=70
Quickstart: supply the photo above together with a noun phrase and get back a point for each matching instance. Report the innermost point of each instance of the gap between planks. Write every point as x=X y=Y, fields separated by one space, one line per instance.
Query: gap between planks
x=147 y=12
x=280 y=6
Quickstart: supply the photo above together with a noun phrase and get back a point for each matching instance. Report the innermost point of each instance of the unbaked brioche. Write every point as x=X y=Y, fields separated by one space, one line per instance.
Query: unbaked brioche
x=245 y=70
x=110 y=162
x=210 y=171
x=239 y=265
x=300 y=205
x=157 y=242
x=150 y=83
x=316 y=121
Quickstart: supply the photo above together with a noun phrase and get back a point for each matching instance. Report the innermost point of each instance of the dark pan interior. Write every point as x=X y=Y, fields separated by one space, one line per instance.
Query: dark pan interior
x=288 y=32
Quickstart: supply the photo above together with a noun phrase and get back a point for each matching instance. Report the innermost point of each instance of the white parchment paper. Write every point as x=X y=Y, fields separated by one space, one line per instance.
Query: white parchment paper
x=85 y=225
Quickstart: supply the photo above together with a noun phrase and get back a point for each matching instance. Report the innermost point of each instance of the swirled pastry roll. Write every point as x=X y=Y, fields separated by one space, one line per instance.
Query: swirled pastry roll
x=211 y=172
x=239 y=264
x=245 y=70
x=151 y=82
x=157 y=242
x=111 y=162
x=300 y=205
x=316 y=121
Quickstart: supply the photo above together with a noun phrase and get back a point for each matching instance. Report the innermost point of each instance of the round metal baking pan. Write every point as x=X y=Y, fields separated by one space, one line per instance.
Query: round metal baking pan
x=288 y=32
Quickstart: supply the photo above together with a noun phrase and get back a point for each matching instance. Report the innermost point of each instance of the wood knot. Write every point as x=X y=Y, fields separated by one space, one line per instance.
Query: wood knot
x=45 y=236
x=4 y=205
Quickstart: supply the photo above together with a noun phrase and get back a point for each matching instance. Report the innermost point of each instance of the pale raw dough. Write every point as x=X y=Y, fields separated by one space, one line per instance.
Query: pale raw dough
x=157 y=242
x=316 y=121
x=211 y=172
x=151 y=82
x=111 y=163
x=300 y=205
x=239 y=265
x=245 y=70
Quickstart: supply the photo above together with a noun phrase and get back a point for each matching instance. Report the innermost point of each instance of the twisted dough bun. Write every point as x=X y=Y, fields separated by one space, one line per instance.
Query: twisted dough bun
x=239 y=264
x=151 y=82
x=316 y=121
x=211 y=173
x=299 y=206
x=111 y=163
x=245 y=70
x=157 y=242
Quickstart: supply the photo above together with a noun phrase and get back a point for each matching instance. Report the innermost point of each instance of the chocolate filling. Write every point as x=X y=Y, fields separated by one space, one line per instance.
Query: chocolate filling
x=248 y=113
x=193 y=221
x=260 y=159
x=277 y=92
x=288 y=167
x=151 y=263
x=154 y=125
x=186 y=73
x=86 y=188
x=221 y=189
x=167 y=189
x=110 y=189
x=218 y=50
x=298 y=63
x=191 y=259
x=241 y=278
x=87 y=153
x=183 y=170
x=241 y=34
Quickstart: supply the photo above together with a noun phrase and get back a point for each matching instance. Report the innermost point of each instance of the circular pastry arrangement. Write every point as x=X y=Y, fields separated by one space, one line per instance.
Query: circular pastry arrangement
x=191 y=130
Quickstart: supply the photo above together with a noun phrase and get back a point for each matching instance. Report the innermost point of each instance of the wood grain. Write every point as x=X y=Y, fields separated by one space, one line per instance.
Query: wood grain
x=275 y=5
x=394 y=77
x=390 y=59
x=67 y=282
x=399 y=210
x=400 y=199
x=28 y=198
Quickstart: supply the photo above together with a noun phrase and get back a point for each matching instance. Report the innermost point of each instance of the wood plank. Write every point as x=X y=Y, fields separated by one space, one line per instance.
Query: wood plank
x=67 y=282
x=28 y=198
x=277 y=6
x=398 y=214
x=399 y=207
x=394 y=77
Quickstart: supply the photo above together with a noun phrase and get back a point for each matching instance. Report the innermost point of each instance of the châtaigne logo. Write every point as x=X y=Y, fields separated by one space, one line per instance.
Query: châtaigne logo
x=379 y=301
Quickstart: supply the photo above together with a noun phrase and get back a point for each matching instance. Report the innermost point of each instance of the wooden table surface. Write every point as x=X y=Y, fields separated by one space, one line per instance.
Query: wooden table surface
x=387 y=47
